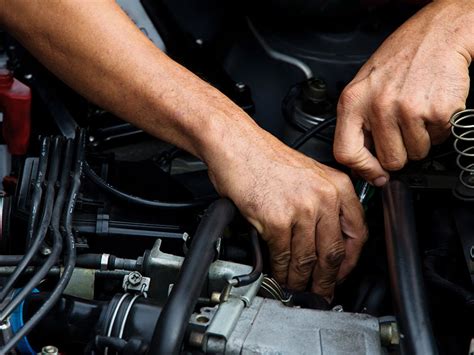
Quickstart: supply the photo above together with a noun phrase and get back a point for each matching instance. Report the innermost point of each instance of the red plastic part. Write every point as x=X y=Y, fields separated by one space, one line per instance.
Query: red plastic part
x=15 y=103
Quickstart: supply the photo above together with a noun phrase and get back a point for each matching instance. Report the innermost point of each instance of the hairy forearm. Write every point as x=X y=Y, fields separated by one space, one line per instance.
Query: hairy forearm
x=94 y=48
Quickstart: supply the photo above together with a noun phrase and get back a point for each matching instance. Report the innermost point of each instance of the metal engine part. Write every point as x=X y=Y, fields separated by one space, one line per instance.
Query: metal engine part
x=268 y=327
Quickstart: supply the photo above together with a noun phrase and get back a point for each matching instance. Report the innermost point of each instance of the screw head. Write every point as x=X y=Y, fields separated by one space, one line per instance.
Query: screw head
x=134 y=278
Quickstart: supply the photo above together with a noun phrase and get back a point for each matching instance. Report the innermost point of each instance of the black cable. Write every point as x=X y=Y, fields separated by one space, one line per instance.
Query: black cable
x=43 y=225
x=311 y=132
x=171 y=327
x=57 y=241
x=104 y=185
x=71 y=252
x=290 y=96
x=244 y=280
x=38 y=189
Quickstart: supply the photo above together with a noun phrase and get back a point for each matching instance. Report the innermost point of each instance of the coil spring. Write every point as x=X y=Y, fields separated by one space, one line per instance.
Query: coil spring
x=462 y=127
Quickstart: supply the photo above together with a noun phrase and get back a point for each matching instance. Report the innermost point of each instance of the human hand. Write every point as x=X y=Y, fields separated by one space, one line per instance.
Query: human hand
x=403 y=97
x=308 y=213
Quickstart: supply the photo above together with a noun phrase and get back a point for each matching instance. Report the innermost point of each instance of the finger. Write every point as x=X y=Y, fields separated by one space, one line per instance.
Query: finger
x=331 y=253
x=416 y=138
x=303 y=254
x=388 y=140
x=279 y=248
x=350 y=149
x=352 y=222
x=438 y=133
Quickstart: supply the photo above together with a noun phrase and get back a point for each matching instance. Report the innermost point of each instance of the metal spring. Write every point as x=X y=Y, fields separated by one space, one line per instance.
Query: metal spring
x=462 y=127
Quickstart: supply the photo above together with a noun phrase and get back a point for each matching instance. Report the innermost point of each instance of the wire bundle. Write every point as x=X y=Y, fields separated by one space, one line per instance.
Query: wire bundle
x=55 y=192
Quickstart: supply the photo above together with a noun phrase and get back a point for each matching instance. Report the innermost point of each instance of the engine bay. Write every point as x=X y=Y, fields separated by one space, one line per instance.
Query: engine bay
x=112 y=241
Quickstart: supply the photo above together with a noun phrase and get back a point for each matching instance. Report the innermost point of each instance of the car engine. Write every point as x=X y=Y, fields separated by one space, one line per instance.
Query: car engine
x=113 y=242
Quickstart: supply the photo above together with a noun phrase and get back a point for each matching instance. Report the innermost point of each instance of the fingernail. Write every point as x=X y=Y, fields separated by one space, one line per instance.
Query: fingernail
x=380 y=181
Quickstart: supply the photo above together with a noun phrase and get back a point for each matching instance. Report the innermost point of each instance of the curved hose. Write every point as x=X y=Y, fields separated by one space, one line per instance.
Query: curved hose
x=405 y=270
x=104 y=185
x=171 y=327
x=244 y=280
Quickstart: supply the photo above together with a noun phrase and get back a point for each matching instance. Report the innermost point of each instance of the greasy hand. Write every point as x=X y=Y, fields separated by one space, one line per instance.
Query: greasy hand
x=403 y=97
x=308 y=213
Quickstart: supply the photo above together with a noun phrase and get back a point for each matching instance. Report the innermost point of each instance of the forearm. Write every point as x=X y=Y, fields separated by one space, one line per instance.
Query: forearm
x=455 y=18
x=97 y=50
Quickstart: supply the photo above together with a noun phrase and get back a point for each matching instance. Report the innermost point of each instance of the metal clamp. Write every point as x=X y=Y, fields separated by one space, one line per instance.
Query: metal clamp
x=134 y=281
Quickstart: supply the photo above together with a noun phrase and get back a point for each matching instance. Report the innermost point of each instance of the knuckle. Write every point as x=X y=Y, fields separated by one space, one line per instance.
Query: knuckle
x=327 y=190
x=304 y=265
x=281 y=260
x=335 y=255
x=279 y=224
x=350 y=96
x=342 y=154
x=343 y=180
x=306 y=208
x=382 y=104
x=408 y=109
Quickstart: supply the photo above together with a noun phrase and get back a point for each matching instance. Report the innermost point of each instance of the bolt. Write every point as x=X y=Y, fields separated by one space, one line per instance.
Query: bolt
x=49 y=349
x=185 y=236
x=240 y=86
x=216 y=297
x=134 y=278
x=46 y=251
x=338 y=308
x=389 y=334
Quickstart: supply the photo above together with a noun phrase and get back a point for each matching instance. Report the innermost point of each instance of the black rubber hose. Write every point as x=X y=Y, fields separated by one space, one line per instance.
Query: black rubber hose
x=405 y=270
x=38 y=189
x=104 y=185
x=244 y=280
x=86 y=261
x=40 y=233
x=311 y=133
x=71 y=251
x=171 y=327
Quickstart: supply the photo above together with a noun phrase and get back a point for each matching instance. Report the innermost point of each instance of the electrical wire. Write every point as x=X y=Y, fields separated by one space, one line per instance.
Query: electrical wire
x=104 y=185
x=43 y=223
x=278 y=55
x=298 y=143
x=38 y=189
x=70 y=244
x=57 y=243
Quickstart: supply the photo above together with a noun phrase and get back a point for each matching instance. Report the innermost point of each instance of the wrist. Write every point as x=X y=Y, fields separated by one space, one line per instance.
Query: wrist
x=458 y=18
